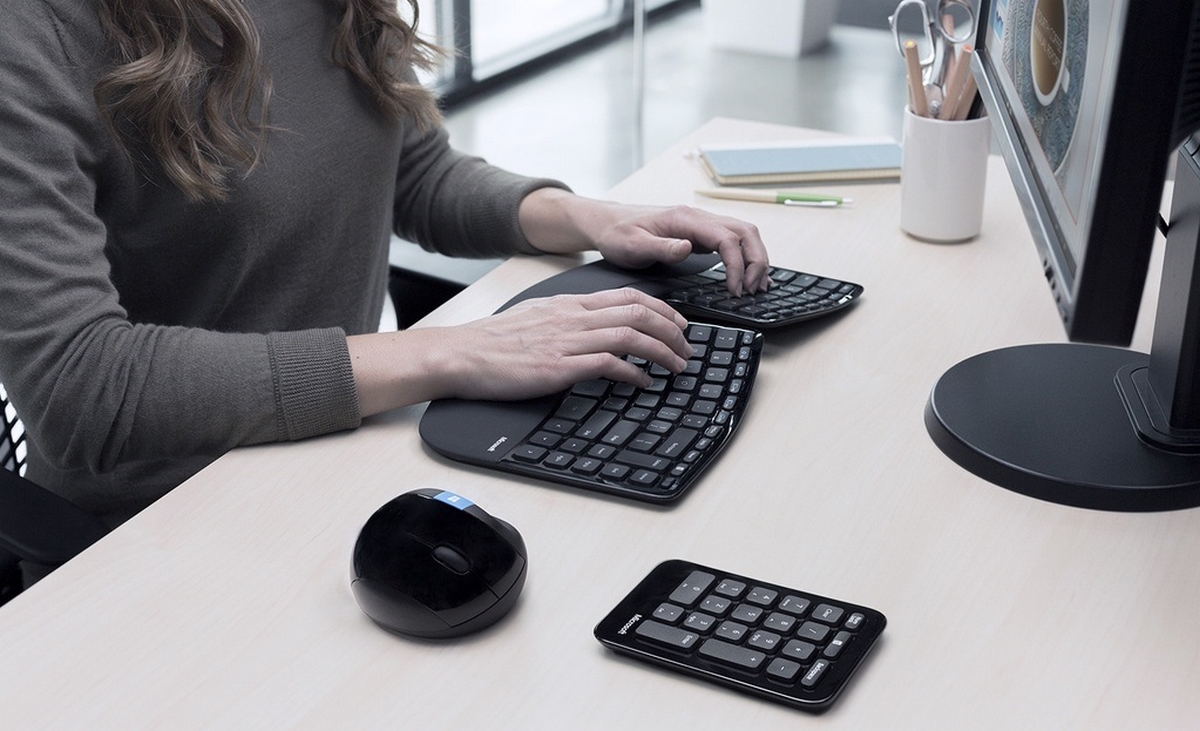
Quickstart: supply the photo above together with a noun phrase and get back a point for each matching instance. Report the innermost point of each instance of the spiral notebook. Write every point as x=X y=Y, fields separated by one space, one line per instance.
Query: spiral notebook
x=803 y=162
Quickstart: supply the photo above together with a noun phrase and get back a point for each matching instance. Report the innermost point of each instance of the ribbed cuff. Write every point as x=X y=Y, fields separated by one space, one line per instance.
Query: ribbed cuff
x=314 y=383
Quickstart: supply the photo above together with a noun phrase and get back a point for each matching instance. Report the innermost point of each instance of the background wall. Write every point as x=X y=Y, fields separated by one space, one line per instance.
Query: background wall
x=866 y=13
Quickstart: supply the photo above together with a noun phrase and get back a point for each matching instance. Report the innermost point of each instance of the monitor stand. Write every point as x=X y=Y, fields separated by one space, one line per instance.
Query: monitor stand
x=1049 y=421
x=1088 y=425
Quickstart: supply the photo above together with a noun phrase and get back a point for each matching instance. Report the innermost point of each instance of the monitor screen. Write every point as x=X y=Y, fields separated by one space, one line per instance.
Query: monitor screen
x=1080 y=127
x=1041 y=53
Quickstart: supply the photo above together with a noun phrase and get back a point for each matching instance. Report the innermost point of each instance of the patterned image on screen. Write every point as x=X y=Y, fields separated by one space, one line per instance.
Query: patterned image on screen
x=1046 y=57
x=1057 y=60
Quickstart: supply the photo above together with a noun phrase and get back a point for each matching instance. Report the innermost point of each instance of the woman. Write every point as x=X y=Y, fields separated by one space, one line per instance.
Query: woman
x=199 y=196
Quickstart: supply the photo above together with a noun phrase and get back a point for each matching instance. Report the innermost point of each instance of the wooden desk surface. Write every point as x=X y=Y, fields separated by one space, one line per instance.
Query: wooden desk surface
x=228 y=603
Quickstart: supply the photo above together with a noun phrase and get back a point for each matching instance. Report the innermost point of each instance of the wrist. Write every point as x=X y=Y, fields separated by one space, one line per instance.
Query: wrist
x=559 y=222
x=397 y=369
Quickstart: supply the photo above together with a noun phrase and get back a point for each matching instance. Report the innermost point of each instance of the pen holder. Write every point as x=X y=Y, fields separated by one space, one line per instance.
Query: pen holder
x=943 y=172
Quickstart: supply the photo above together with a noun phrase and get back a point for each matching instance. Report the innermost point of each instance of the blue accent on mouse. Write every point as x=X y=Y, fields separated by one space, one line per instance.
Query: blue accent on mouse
x=450 y=498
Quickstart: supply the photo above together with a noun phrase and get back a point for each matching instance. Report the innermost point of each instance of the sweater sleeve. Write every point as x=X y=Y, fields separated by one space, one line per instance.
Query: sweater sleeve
x=95 y=389
x=458 y=204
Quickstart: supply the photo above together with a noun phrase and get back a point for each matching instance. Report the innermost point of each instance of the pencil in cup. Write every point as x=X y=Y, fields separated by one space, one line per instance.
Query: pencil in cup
x=917 y=99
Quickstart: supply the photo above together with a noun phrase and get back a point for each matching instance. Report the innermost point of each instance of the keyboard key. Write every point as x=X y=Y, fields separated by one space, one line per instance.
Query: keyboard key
x=799 y=650
x=796 y=605
x=587 y=466
x=732 y=631
x=779 y=622
x=621 y=432
x=529 y=453
x=763 y=640
x=699 y=622
x=664 y=634
x=730 y=588
x=645 y=461
x=595 y=426
x=785 y=670
x=715 y=605
x=692 y=588
x=575 y=408
x=730 y=654
x=668 y=613
x=677 y=443
x=762 y=596
x=837 y=644
x=827 y=613
x=813 y=631
x=813 y=676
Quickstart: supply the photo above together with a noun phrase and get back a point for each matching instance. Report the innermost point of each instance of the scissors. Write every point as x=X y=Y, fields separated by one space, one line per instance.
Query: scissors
x=940 y=36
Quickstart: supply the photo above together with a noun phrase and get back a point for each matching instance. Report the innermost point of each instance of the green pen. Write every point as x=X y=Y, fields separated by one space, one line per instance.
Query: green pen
x=786 y=197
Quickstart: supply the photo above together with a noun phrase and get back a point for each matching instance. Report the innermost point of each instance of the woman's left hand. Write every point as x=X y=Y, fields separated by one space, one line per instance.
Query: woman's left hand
x=556 y=221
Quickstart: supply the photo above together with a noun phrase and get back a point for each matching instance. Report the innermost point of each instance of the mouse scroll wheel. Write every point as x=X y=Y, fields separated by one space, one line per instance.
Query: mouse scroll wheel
x=452 y=559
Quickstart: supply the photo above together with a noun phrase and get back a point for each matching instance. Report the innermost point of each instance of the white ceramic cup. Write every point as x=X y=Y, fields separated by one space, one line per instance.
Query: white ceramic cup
x=943 y=173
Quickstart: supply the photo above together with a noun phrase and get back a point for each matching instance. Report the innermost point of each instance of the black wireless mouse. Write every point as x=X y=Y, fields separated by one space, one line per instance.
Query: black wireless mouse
x=433 y=564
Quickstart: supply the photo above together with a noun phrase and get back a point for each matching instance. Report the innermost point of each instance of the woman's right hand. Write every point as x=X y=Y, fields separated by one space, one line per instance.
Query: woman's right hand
x=537 y=347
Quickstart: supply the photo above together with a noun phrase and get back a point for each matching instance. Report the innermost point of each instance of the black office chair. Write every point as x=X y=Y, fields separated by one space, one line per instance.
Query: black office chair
x=35 y=525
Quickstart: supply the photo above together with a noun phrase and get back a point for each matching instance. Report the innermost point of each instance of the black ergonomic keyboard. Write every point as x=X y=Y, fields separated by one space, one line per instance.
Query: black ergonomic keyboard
x=696 y=287
x=794 y=297
x=768 y=640
x=646 y=443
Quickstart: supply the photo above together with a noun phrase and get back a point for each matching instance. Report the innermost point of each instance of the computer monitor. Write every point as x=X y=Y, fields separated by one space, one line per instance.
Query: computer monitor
x=1089 y=101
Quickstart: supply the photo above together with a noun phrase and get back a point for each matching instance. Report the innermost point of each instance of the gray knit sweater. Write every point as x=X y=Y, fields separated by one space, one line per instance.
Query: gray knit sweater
x=142 y=336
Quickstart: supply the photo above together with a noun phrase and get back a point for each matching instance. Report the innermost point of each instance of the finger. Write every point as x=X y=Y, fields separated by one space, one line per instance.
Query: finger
x=623 y=340
x=640 y=331
x=590 y=366
x=627 y=296
x=757 y=274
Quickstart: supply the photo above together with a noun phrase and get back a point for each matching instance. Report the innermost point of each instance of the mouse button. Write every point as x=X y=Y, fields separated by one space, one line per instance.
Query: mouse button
x=396 y=611
x=491 y=554
x=385 y=555
x=452 y=558
x=479 y=604
x=502 y=583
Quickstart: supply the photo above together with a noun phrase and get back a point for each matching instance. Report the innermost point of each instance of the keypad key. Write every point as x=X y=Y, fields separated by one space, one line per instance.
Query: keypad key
x=762 y=596
x=668 y=613
x=837 y=644
x=730 y=588
x=828 y=613
x=813 y=676
x=715 y=605
x=692 y=588
x=730 y=654
x=732 y=631
x=796 y=605
x=667 y=635
x=799 y=650
x=699 y=622
x=779 y=622
x=784 y=670
x=813 y=631
x=764 y=640
x=747 y=613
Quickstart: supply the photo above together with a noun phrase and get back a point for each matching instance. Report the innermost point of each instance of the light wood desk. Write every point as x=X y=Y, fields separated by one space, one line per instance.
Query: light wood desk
x=227 y=604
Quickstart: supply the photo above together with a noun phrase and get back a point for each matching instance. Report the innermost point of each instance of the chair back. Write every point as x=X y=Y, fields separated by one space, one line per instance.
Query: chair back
x=13 y=448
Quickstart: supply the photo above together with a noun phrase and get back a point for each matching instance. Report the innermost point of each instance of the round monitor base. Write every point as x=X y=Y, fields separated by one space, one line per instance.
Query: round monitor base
x=1049 y=421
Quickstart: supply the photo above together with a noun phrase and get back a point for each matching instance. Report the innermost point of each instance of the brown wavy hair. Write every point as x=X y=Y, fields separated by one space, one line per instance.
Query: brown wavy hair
x=190 y=83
